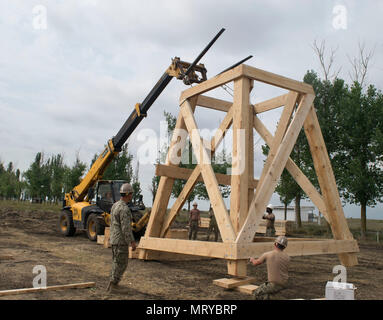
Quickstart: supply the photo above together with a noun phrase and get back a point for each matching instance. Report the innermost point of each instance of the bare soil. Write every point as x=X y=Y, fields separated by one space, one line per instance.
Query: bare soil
x=32 y=238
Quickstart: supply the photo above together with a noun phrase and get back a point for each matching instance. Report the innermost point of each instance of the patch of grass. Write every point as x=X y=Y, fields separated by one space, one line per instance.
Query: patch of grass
x=28 y=206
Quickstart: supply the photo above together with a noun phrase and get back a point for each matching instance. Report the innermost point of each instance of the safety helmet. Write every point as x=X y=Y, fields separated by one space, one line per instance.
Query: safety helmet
x=282 y=240
x=126 y=188
x=195 y=204
x=270 y=206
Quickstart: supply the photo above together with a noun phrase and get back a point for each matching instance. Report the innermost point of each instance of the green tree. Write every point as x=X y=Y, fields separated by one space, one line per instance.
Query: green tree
x=57 y=172
x=286 y=189
x=121 y=166
x=38 y=178
x=361 y=149
x=72 y=176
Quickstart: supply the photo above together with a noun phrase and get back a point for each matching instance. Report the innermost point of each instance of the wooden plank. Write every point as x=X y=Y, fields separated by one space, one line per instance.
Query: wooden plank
x=243 y=251
x=327 y=184
x=185 y=173
x=240 y=155
x=298 y=248
x=218 y=205
x=270 y=104
x=213 y=103
x=264 y=192
x=276 y=80
x=107 y=238
x=294 y=170
x=247 y=288
x=231 y=283
x=198 y=248
x=212 y=83
x=170 y=256
x=100 y=239
x=51 y=288
x=239 y=197
x=205 y=222
x=234 y=251
x=250 y=143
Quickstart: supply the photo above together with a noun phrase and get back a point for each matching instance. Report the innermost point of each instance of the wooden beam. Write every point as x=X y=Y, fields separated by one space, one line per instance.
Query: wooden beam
x=185 y=173
x=198 y=248
x=243 y=251
x=294 y=170
x=247 y=288
x=219 y=208
x=194 y=175
x=265 y=191
x=240 y=155
x=51 y=288
x=231 y=283
x=298 y=248
x=276 y=80
x=327 y=184
x=280 y=133
x=213 y=103
x=212 y=83
x=270 y=104
x=250 y=143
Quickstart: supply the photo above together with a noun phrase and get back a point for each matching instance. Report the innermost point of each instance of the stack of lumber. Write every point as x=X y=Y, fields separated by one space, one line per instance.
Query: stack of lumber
x=205 y=222
x=282 y=227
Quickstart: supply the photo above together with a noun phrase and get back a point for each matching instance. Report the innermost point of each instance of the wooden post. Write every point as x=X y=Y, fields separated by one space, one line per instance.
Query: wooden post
x=239 y=198
x=328 y=186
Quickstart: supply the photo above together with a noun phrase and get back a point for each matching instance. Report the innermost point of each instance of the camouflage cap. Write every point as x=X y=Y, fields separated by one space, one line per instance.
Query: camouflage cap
x=282 y=240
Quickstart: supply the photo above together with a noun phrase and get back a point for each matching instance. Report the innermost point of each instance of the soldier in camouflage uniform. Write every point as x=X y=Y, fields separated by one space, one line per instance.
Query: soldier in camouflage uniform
x=213 y=227
x=121 y=236
x=277 y=270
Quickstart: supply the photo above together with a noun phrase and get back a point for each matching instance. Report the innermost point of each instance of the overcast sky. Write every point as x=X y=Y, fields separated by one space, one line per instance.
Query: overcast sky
x=71 y=71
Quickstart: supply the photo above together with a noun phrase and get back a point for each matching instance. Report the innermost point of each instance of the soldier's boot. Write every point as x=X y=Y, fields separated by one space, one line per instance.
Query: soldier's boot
x=116 y=288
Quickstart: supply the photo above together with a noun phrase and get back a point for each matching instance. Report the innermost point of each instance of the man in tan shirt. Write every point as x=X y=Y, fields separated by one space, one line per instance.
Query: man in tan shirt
x=277 y=270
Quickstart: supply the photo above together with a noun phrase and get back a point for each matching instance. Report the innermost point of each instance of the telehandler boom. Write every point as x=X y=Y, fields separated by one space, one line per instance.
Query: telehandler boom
x=79 y=212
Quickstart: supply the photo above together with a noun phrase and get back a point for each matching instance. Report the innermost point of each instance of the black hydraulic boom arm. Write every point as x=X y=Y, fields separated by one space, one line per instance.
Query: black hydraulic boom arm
x=141 y=109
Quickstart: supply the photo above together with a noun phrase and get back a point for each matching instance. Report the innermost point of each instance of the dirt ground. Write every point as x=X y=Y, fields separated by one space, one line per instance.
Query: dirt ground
x=32 y=238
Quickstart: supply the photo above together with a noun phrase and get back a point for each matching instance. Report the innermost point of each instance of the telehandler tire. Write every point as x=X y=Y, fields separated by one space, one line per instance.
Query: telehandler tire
x=94 y=227
x=66 y=225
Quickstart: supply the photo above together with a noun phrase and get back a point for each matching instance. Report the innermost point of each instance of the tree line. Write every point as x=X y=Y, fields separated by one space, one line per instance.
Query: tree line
x=49 y=178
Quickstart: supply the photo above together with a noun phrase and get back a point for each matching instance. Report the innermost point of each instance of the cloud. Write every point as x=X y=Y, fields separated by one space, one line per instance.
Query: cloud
x=71 y=87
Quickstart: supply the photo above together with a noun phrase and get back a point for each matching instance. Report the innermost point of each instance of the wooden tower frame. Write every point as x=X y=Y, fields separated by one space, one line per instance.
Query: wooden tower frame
x=238 y=227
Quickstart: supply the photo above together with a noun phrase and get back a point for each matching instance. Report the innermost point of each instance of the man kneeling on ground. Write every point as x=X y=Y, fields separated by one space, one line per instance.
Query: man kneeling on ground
x=277 y=270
